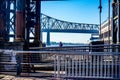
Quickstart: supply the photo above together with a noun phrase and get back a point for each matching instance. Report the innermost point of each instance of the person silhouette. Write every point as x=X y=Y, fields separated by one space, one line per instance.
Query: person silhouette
x=61 y=44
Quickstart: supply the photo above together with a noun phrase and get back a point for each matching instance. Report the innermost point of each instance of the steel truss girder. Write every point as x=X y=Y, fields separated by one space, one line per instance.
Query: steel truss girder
x=30 y=20
x=55 y=25
x=10 y=24
x=7 y=8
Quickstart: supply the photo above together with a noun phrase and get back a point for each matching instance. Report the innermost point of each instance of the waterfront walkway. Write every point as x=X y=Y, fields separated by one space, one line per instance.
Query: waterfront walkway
x=9 y=77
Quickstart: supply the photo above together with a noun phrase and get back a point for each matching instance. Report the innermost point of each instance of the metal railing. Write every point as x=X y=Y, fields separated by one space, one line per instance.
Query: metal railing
x=101 y=61
x=89 y=48
x=102 y=65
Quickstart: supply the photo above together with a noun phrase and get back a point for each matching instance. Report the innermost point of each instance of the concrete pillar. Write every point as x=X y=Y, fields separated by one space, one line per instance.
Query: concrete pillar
x=48 y=38
x=20 y=20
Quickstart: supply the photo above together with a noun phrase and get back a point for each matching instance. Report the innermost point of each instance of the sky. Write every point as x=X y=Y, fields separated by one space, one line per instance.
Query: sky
x=80 y=11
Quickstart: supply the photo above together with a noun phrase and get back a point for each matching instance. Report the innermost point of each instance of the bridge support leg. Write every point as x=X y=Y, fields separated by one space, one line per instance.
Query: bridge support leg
x=3 y=31
x=48 y=38
x=20 y=20
x=38 y=25
x=118 y=33
x=116 y=25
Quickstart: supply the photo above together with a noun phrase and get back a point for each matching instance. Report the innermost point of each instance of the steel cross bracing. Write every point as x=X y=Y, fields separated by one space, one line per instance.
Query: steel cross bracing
x=8 y=16
x=11 y=19
x=31 y=9
x=7 y=10
x=33 y=20
x=54 y=25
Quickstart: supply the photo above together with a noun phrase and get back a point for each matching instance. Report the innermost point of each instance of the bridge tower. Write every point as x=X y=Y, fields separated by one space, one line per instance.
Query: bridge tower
x=33 y=9
x=48 y=38
x=28 y=22
x=2 y=20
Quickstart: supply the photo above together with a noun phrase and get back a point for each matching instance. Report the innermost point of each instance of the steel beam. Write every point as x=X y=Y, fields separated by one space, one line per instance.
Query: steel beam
x=114 y=22
x=33 y=27
x=3 y=31
x=38 y=26
x=118 y=33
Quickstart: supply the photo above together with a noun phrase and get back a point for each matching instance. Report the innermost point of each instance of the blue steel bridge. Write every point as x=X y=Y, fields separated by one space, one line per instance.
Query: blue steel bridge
x=50 y=24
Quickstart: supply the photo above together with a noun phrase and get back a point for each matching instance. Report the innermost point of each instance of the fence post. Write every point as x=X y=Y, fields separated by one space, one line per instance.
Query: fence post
x=58 y=66
x=55 y=67
x=19 y=67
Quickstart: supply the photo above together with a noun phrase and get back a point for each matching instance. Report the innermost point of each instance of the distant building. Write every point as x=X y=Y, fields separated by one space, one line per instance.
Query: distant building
x=105 y=32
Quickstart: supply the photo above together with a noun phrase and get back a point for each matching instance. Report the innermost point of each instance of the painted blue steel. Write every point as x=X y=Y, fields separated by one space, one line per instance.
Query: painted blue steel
x=94 y=38
x=54 y=25
x=49 y=24
x=71 y=31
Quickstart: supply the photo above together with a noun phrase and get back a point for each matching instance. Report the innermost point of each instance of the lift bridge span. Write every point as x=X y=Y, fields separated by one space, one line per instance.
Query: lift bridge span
x=50 y=24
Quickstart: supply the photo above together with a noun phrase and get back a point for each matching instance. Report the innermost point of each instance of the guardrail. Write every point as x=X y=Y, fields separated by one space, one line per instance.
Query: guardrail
x=89 y=48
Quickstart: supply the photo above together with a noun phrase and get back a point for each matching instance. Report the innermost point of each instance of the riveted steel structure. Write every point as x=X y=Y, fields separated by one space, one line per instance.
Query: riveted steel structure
x=116 y=22
x=2 y=20
x=33 y=28
x=7 y=19
x=11 y=18
x=55 y=25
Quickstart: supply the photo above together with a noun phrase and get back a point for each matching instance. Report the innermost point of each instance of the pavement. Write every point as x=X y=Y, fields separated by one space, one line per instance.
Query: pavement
x=9 y=77
x=13 y=77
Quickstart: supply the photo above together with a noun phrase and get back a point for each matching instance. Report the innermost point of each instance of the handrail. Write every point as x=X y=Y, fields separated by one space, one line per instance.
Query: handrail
x=89 y=48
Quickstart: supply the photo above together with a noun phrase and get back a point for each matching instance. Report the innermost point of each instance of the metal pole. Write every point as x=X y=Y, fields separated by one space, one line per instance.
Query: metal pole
x=19 y=66
x=108 y=21
x=100 y=7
